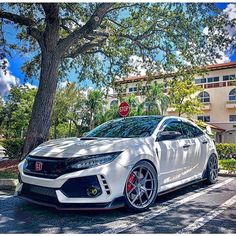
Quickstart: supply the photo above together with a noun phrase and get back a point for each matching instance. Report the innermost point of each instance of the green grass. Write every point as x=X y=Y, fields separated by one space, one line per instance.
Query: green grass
x=227 y=164
x=8 y=175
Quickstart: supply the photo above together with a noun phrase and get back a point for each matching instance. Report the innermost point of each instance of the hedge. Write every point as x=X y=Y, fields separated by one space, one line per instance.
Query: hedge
x=226 y=150
x=13 y=147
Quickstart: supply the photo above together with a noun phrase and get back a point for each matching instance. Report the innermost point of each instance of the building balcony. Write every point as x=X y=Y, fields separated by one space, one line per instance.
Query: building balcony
x=206 y=106
x=230 y=105
x=217 y=84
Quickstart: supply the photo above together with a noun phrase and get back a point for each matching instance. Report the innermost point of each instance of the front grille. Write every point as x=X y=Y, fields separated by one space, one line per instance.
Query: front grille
x=43 y=195
x=51 y=167
x=38 y=193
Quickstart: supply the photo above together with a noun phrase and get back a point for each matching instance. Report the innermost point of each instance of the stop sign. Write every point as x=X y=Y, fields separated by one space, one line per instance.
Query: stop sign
x=124 y=109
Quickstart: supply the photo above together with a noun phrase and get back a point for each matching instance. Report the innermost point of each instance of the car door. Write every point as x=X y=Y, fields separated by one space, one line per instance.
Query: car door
x=194 y=149
x=198 y=150
x=172 y=154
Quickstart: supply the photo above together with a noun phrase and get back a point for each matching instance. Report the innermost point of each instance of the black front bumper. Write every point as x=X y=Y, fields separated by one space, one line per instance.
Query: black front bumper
x=47 y=197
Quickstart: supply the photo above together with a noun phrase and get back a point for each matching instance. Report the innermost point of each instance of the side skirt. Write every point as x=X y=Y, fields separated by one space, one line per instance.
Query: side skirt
x=181 y=186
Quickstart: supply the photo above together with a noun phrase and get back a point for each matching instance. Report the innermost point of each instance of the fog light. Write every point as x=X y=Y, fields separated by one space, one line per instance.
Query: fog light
x=93 y=191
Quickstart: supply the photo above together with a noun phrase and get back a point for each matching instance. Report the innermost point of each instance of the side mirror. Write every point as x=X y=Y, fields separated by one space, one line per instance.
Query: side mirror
x=168 y=135
x=209 y=131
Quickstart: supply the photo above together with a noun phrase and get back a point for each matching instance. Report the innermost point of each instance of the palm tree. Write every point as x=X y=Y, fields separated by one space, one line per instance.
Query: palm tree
x=95 y=104
x=156 y=101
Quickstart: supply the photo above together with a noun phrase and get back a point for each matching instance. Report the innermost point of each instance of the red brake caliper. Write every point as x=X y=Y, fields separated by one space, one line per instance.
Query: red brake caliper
x=131 y=179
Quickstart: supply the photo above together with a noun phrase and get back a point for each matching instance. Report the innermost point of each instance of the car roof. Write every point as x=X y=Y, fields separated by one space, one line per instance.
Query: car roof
x=162 y=117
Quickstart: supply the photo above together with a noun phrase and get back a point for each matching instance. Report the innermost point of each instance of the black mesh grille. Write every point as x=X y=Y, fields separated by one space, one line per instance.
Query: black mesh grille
x=78 y=187
x=51 y=167
x=38 y=193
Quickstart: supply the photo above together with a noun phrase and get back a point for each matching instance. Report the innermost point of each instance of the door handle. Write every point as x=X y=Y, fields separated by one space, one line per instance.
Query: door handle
x=204 y=142
x=186 y=146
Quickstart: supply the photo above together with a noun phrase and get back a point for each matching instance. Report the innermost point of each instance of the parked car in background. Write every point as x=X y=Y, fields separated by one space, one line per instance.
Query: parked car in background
x=123 y=162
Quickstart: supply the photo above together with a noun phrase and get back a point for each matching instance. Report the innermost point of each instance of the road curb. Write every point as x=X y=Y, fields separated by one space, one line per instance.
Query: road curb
x=6 y=184
x=230 y=173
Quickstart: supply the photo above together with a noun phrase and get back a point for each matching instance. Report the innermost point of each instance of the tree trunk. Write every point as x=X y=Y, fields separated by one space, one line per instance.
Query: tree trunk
x=91 y=125
x=42 y=109
x=69 y=132
x=55 y=130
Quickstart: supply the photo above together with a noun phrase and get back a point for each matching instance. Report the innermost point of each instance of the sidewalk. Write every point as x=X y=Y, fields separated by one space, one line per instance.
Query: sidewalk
x=230 y=173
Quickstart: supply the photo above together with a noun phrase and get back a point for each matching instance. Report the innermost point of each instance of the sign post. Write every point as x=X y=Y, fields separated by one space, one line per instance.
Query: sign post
x=124 y=109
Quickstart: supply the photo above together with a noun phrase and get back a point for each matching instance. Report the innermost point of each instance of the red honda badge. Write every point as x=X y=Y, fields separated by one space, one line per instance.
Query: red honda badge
x=38 y=166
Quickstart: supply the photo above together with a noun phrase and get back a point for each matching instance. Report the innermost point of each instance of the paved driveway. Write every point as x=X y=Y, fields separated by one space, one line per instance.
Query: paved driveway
x=196 y=209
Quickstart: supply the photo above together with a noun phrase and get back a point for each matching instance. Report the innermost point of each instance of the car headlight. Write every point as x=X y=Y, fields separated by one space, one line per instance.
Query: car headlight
x=93 y=160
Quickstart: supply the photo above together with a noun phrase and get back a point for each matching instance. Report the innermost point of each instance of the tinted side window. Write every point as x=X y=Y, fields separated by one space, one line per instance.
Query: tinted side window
x=173 y=126
x=191 y=131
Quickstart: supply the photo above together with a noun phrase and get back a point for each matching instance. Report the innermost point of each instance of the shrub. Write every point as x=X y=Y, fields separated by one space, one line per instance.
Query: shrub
x=226 y=150
x=13 y=147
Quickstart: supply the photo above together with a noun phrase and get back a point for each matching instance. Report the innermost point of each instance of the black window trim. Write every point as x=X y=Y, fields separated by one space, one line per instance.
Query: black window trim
x=170 y=120
x=188 y=123
x=182 y=122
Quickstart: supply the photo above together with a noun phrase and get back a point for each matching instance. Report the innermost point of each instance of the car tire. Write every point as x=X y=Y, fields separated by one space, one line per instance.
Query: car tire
x=212 y=170
x=141 y=187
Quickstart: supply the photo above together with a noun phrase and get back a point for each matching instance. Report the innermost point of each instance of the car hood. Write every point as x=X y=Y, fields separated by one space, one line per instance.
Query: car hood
x=75 y=147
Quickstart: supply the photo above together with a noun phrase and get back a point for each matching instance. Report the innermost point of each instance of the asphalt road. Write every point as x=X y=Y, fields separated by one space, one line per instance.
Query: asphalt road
x=198 y=208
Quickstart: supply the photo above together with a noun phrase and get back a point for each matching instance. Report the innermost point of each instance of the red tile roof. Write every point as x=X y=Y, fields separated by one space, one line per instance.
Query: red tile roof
x=213 y=67
x=221 y=66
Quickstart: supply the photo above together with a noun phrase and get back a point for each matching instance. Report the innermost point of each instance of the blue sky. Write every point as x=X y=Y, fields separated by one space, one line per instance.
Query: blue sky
x=17 y=60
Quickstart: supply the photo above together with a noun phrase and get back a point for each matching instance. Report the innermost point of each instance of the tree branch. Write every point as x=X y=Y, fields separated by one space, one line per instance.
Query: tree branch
x=118 y=24
x=24 y=21
x=21 y=20
x=85 y=47
x=122 y=7
x=93 y=23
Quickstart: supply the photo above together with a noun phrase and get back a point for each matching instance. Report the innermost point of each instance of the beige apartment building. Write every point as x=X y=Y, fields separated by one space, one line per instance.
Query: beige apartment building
x=218 y=97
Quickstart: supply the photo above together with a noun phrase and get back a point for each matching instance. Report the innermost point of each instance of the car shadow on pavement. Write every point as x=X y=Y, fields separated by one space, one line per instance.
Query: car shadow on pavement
x=22 y=217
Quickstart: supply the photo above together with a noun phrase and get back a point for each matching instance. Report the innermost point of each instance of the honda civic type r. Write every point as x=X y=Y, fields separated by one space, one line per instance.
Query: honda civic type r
x=123 y=162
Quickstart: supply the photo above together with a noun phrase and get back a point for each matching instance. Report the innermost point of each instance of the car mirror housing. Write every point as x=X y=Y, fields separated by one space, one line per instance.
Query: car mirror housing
x=168 y=135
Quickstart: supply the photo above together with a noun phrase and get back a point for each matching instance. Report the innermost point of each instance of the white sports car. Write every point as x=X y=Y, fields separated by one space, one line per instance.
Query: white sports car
x=123 y=162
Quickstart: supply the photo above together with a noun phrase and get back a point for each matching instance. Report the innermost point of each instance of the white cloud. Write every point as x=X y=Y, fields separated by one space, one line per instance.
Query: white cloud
x=63 y=84
x=230 y=10
x=224 y=58
x=137 y=64
x=31 y=86
x=6 y=79
x=205 y=31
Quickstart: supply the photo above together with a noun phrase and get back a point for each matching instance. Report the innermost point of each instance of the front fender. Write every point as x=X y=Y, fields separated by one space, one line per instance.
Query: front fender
x=131 y=156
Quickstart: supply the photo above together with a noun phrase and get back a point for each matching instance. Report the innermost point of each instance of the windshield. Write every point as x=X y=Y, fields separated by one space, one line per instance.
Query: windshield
x=131 y=127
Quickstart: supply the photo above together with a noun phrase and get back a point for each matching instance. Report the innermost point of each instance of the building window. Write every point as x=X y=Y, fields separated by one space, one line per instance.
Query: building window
x=232 y=95
x=204 y=97
x=213 y=79
x=113 y=103
x=132 y=89
x=232 y=118
x=229 y=77
x=200 y=81
x=204 y=118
